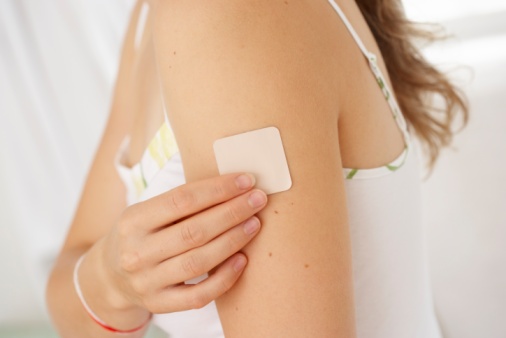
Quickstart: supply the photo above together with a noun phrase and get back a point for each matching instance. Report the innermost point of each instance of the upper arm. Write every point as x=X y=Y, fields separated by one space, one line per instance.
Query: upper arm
x=228 y=70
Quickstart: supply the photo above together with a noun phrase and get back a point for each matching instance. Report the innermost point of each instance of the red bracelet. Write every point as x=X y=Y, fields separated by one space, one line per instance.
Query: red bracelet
x=93 y=316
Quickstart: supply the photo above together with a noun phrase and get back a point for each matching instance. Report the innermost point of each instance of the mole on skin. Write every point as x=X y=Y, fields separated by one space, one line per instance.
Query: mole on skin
x=270 y=254
x=306 y=265
x=275 y=211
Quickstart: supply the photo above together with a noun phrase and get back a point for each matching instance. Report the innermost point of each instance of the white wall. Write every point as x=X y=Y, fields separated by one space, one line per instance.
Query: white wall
x=465 y=198
x=58 y=61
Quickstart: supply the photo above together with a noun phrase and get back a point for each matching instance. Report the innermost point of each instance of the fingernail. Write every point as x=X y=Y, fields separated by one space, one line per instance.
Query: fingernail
x=251 y=225
x=239 y=263
x=245 y=181
x=257 y=198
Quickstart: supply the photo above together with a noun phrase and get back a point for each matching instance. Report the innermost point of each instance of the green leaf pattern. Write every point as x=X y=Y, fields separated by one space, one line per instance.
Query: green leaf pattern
x=357 y=173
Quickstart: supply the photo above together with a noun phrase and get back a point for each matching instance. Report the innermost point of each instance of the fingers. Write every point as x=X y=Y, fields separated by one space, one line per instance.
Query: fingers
x=188 y=199
x=198 y=261
x=203 y=232
x=202 y=227
x=187 y=297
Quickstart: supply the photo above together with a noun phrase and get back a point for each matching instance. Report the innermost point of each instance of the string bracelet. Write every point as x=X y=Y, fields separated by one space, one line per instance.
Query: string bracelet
x=93 y=316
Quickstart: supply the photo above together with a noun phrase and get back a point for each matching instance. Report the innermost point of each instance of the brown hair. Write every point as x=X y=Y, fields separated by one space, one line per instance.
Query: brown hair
x=414 y=80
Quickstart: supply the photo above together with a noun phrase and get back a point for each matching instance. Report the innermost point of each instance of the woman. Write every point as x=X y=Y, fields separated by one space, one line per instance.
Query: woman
x=340 y=254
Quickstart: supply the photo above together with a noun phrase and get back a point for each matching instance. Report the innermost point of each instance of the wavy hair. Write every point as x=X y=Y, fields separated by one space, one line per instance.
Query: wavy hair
x=415 y=81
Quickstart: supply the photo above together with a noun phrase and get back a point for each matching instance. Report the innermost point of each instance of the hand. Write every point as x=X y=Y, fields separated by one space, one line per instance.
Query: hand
x=181 y=234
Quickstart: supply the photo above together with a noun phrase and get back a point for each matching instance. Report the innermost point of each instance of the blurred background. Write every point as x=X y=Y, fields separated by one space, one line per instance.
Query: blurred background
x=58 y=62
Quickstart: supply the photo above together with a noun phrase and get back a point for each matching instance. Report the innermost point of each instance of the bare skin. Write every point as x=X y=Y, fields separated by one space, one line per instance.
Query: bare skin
x=293 y=65
x=122 y=269
x=199 y=226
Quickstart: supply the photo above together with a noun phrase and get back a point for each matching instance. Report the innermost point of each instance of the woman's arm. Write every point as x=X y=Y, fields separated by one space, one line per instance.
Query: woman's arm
x=229 y=68
x=101 y=203
x=133 y=254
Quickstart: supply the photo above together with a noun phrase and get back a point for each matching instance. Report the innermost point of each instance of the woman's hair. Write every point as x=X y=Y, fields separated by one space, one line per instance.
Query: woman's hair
x=415 y=81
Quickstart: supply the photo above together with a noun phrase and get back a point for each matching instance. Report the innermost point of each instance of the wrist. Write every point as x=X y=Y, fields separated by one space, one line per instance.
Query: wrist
x=103 y=299
x=111 y=293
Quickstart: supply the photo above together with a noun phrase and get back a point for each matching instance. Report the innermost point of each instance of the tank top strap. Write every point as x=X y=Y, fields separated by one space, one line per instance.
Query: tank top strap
x=378 y=74
x=141 y=22
x=164 y=108
x=352 y=31
x=162 y=97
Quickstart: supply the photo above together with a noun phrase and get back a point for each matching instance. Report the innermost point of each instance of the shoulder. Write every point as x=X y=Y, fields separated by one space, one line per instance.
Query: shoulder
x=218 y=9
x=291 y=29
x=208 y=16
x=277 y=46
x=234 y=25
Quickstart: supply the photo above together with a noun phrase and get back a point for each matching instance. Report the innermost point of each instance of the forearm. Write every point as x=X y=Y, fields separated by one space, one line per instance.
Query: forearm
x=67 y=312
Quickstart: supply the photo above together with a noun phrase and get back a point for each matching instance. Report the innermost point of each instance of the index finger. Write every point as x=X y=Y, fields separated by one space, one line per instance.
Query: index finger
x=189 y=198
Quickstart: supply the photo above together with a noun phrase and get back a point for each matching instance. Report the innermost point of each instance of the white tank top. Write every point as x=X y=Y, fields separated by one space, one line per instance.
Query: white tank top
x=393 y=298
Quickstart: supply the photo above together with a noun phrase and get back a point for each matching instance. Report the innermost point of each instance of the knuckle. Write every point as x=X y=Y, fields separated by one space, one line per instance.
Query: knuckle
x=129 y=220
x=125 y=214
x=153 y=305
x=124 y=227
x=192 y=235
x=225 y=284
x=192 y=266
x=220 y=190
x=198 y=300
x=124 y=233
x=139 y=286
x=130 y=261
x=181 y=200
x=233 y=213
x=150 y=305
x=234 y=243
